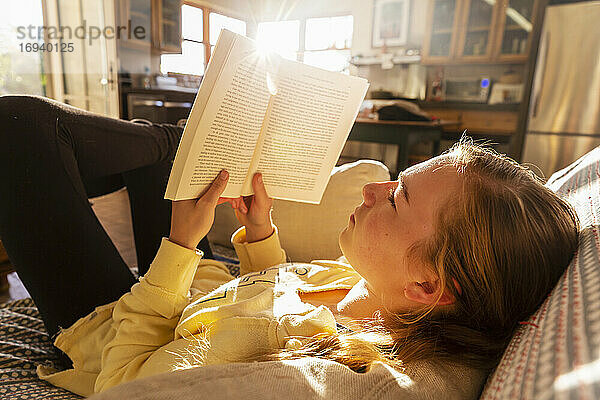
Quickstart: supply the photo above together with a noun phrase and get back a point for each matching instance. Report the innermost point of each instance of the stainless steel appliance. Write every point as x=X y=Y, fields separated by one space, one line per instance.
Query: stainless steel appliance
x=157 y=108
x=467 y=89
x=564 y=110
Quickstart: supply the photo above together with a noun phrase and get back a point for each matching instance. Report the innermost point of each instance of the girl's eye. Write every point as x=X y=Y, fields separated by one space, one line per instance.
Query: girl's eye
x=391 y=198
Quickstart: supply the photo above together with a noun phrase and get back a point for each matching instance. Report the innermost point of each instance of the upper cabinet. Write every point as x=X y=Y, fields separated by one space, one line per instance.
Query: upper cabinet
x=169 y=26
x=160 y=20
x=476 y=37
x=478 y=31
x=443 y=25
x=515 y=26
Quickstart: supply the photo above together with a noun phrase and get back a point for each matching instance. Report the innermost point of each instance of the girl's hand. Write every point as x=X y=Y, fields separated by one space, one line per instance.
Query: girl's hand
x=192 y=219
x=254 y=212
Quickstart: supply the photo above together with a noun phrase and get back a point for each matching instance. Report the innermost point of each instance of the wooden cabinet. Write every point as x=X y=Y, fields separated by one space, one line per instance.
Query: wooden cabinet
x=169 y=26
x=478 y=31
x=160 y=20
x=477 y=121
x=476 y=37
x=515 y=24
x=443 y=23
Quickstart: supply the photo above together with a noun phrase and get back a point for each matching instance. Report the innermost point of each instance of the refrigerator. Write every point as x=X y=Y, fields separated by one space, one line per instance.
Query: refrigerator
x=564 y=111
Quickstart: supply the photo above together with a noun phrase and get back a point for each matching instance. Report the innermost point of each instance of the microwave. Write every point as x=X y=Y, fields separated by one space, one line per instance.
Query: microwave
x=475 y=90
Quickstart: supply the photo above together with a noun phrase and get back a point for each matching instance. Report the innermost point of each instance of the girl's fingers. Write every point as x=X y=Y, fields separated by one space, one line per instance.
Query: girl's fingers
x=217 y=187
x=230 y=200
x=260 y=193
x=247 y=201
x=237 y=203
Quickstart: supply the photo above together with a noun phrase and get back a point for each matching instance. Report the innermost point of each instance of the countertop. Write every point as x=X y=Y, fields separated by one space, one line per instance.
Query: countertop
x=161 y=90
x=468 y=106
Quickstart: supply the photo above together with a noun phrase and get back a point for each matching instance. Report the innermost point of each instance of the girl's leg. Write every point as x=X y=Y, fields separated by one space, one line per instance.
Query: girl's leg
x=47 y=150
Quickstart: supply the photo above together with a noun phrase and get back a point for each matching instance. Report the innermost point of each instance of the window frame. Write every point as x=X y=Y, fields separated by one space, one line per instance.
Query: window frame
x=302 y=31
x=206 y=28
x=252 y=29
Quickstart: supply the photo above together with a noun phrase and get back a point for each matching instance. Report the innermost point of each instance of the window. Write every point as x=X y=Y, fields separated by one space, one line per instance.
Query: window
x=282 y=37
x=195 y=48
x=327 y=41
x=21 y=71
x=217 y=22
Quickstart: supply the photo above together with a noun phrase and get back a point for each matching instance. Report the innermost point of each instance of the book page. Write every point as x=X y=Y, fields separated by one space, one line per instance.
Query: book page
x=227 y=133
x=308 y=123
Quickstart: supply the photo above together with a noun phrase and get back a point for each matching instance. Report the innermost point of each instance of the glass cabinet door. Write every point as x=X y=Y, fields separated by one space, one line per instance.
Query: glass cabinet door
x=477 y=35
x=139 y=13
x=442 y=28
x=170 y=25
x=517 y=16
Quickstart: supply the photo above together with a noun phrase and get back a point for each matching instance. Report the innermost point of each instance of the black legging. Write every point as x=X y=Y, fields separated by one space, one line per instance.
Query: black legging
x=50 y=156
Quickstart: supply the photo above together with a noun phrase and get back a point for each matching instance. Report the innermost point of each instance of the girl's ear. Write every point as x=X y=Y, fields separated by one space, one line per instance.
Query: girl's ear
x=427 y=293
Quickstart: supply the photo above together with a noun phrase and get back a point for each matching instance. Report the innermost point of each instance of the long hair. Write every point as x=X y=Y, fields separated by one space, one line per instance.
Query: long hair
x=505 y=238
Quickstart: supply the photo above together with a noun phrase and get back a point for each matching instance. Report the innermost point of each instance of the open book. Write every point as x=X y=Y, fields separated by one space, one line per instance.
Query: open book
x=256 y=111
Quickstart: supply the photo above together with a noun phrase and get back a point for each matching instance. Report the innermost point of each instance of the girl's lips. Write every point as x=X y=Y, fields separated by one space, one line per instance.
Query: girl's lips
x=352 y=217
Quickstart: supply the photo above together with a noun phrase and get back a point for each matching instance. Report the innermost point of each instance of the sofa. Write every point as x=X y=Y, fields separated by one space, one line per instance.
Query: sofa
x=554 y=355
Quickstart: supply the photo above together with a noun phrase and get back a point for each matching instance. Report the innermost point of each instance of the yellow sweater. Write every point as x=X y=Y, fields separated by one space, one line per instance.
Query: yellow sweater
x=191 y=311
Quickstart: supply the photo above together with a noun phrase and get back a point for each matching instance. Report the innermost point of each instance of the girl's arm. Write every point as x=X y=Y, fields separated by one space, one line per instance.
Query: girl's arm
x=257 y=242
x=145 y=318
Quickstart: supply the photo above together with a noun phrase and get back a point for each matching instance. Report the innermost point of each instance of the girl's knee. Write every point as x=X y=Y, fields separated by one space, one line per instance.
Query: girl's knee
x=12 y=106
x=24 y=116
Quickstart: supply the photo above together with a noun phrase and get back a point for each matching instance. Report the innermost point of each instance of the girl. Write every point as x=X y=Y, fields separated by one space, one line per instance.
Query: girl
x=441 y=264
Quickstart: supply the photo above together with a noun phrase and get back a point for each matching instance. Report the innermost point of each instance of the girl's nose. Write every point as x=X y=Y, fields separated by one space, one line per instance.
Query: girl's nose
x=371 y=191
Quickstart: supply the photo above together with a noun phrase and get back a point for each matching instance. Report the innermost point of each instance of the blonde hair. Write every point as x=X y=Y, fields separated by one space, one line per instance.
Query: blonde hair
x=506 y=239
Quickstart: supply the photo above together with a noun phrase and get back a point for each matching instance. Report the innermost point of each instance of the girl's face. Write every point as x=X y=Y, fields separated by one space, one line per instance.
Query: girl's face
x=393 y=216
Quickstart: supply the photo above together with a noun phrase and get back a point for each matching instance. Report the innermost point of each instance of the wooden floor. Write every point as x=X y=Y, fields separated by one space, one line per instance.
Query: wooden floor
x=113 y=212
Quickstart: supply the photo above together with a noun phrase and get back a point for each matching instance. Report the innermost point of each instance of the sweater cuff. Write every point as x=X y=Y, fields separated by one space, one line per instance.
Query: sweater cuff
x=259 y=255
x=173 y=267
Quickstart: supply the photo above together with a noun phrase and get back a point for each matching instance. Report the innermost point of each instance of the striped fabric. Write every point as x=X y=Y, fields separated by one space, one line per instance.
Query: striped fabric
x=557 y=356
x=24 y=343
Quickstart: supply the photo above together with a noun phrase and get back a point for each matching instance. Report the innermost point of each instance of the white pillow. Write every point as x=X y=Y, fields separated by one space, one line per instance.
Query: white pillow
x=310 y=231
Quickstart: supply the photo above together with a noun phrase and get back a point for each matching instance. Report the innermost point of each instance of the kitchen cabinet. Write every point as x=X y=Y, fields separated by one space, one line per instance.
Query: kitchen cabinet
x=515 y=24
x=169 y=26
x=478 y=31
x=160 y=20
x=478 y=121
x=475 y=39
x=443 y=22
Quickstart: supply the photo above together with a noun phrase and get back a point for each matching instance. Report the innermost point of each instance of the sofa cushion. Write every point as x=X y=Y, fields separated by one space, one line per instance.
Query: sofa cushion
x=557 y=355
x=310 y=231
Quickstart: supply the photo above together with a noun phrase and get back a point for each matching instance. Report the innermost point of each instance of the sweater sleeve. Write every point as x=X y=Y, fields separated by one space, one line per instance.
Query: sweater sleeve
x=145 y=317
x=257 y=256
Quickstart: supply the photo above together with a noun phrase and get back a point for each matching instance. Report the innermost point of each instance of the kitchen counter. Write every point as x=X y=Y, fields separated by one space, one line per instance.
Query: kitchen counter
x=158 y=90
x=459 y=105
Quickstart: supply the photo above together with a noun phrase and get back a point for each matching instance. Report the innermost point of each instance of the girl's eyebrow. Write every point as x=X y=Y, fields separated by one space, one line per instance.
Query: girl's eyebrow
x=404 y=188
